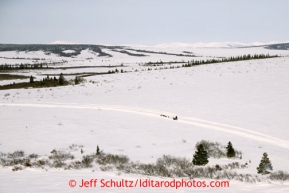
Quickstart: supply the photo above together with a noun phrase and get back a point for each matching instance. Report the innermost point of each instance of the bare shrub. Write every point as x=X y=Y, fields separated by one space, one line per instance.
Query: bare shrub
x=60 y=155
x=58 y=164
x=33 y=156
x=234 y=165
x=166 y=166
x=2 y=154
x=86 y=161
x=161 y=170
x=79 y=80
x=12 y=159
x=106 y=168
x=40 y=163
x=12 y=162
x=17 y=168
x=104 y=159
x=169 y=166
x=75 y=147
x=68 y=167
x=3 y=161
x=76 y=165
x=279 y=176
x=58 y=158
x=27 y=162
x=15 y=154
x=217 y=166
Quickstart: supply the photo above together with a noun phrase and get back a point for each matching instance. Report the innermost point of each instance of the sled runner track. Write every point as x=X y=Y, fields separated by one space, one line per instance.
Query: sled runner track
x=234 y=127
x=214 y=125
x=155 y=113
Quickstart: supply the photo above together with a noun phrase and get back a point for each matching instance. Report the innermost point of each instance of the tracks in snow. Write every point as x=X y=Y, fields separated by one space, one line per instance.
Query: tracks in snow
x=155 y=113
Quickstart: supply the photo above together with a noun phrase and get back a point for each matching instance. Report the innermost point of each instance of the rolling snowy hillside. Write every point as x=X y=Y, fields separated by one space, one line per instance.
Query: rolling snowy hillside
x=245 y=102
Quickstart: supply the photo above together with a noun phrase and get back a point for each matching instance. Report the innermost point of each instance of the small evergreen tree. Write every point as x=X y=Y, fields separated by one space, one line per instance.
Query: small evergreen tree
x=200 y=156
x=76 y=80
x=230 y=150
x=97 y=150
x=264 y=165
x=61 y=79
x=31 y=79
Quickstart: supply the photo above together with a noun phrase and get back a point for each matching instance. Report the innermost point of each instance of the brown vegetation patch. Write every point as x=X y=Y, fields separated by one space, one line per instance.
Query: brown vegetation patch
x=12 y=77
x=36 y=84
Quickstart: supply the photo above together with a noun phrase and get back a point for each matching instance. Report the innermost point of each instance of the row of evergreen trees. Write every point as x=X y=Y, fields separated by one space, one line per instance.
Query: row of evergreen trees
x=22 y=66
x=61 y=80
x=22 y=58
x=230 y=59
x=56 y=48
x=200 y=158
x=115 y=71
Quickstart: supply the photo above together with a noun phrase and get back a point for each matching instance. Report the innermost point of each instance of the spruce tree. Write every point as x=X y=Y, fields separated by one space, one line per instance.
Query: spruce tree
x=97 y=150
x=31 y=79
x=230 y=150
x=200 y=156
x=61 y=79
x=76 y=80
x=264 y=165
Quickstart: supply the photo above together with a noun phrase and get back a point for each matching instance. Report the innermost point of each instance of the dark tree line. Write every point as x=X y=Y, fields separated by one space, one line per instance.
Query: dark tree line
x=164 y=53
x=128 y=53
x=284 y=46
x=53 y=48
x=22 y=66
x=229 y=59
x=22 y=58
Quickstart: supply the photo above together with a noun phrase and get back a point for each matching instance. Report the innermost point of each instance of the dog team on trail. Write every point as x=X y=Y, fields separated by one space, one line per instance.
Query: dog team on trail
x=174 y=118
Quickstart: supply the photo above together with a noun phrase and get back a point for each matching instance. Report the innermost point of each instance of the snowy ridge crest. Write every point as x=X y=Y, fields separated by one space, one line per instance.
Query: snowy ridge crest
x=216 y=44
x=62 y=42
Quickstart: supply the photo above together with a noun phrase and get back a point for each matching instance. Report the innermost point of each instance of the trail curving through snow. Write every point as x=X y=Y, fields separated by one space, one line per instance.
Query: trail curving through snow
x=155 y=113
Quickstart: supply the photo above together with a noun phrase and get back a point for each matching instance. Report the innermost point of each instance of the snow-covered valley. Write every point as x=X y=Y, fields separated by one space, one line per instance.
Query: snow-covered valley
x=245 y=102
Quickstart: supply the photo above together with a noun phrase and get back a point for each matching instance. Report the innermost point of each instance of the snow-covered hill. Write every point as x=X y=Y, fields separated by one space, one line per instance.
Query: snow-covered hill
x=245 y=102
x=216 y=44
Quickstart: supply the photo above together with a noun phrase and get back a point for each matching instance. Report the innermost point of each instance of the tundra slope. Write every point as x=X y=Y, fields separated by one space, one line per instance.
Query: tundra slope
x=242 y=102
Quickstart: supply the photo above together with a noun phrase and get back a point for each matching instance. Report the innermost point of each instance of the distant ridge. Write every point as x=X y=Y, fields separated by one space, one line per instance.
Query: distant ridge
x=193 y=45
x=62 y=42
x=217 y=44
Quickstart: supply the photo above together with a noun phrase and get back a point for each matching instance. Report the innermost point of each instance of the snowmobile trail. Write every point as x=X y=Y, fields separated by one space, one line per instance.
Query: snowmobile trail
x=155 y=113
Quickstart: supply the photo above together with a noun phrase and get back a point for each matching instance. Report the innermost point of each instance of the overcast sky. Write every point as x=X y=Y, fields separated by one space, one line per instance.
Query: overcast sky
x=149 y=22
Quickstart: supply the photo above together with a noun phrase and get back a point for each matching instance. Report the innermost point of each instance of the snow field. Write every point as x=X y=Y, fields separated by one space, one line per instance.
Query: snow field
x=242 y=102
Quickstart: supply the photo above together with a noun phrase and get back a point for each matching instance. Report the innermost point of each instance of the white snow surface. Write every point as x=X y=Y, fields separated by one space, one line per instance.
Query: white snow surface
x=213 y=44
x=62 y=42
x=244 y=102
x=68 y=51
